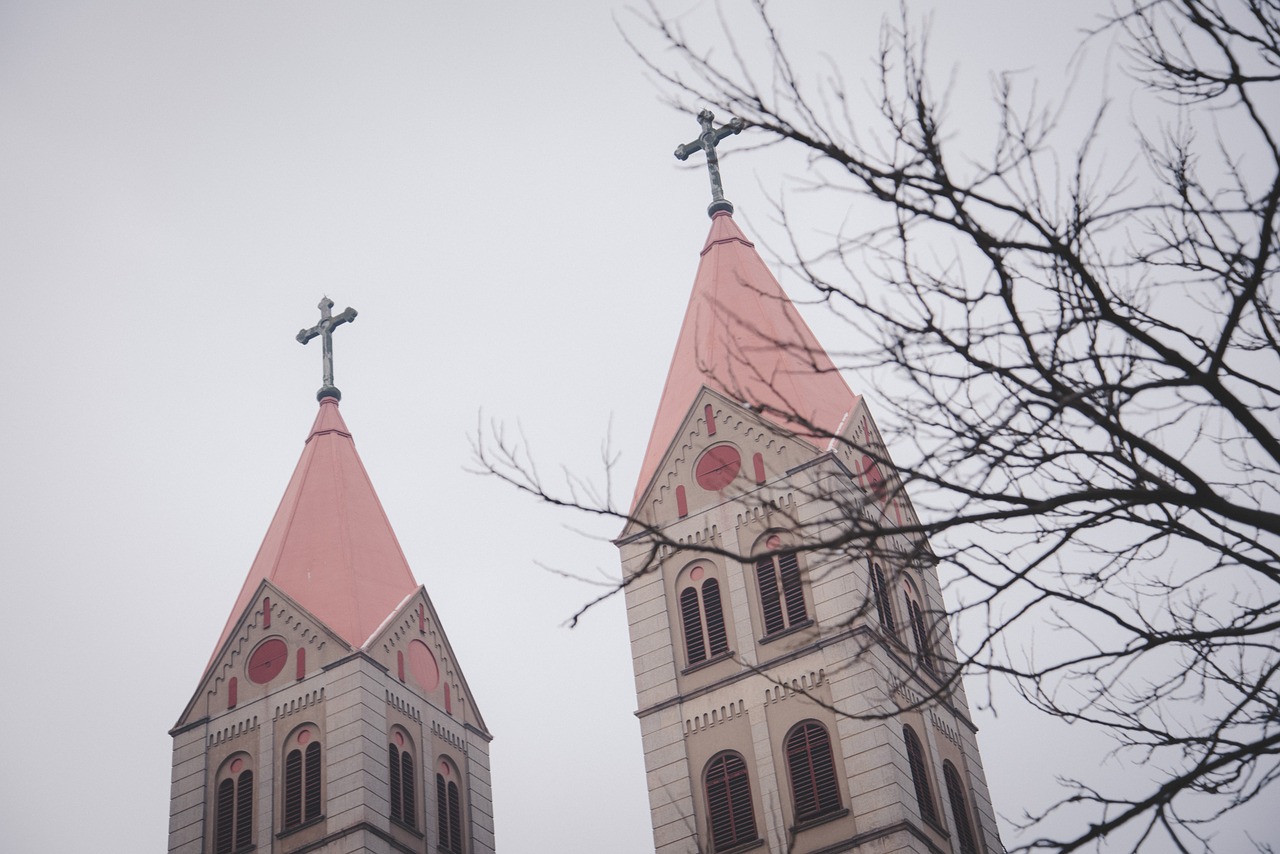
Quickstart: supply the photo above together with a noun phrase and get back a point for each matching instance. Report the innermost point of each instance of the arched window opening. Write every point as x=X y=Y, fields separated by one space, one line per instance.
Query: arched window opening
x=702 y=615
x=448 y=813
x=233 y=810
x=812 y=770
x=884 y=607
x=919 y=631
x=920 y=776
x=302 y=772
x=404 y=808
x=959 y=810
x=781 y=593
x=729 y=810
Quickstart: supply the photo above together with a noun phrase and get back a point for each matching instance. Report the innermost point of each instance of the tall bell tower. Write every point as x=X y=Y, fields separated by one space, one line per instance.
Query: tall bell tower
x=794 y=668
x=333 y=715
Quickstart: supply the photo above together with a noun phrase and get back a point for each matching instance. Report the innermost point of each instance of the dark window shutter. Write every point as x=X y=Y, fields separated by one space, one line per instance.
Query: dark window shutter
x=409 y=782
x=455 y=820
x=694 y=648
x=883 y=608
x=920 y=634
x=222 y=822
x=770 y=604
x=792 y=591
x=717 y=639
x=393 y=764
x=442 y=812
x=244 y=810
x=293 y=789
x=313 y=780
x=959 y=811
x=729 y=808
x=919 y=775
x=813 y=774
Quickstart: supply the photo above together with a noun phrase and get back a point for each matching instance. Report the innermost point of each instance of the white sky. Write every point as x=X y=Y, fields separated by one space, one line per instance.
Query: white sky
x=491 y=185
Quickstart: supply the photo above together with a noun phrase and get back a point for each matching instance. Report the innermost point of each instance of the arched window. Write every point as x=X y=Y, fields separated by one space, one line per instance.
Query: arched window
x=702 y=616
x=919 y=631
x=302 y=773
x=884 y=607
x=729 y=810
x=920 y=776
x=813 y=771
x=959 y=810
x=781 y=593
x=404 y=807
x=233 y=808
x=448 y=808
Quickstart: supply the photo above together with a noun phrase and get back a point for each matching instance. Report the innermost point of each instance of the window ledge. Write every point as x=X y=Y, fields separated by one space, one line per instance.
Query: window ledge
x=311 y=822
x=741 y=846
x=409 y=828
x=715 y=659
x=817 y=820
x=789 y=630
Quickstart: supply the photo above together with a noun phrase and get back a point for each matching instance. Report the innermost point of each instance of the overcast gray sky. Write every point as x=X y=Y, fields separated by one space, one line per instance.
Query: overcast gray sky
x=491 y=185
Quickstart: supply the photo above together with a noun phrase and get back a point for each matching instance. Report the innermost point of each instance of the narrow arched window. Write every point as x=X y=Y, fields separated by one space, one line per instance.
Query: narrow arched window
x=729 y=809
x=884 y=608
x=781 y=593
x=920 y=776
x=919 y=631
x=448 y=815
x=959 y=810
x=812 y=770
x=233 y=809
x=302 y=774
x=403 y=796
x=702 y=615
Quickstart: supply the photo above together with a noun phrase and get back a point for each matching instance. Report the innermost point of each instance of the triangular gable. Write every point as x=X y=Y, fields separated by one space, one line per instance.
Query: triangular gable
x=269 y=613
x=401 y=644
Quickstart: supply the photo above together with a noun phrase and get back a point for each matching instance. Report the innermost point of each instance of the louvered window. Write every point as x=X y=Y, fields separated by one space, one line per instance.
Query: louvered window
x=884 y=609
x=397 y=791
x=409 y=791
x=959 y=810
x=920 y=634
x=702 y=615
x=403 y=806
x=781 y=593
x=448 y=815
x=302 y=785
x=813 y=772
x=729 y=809
x=233 y=814
x=920 y=776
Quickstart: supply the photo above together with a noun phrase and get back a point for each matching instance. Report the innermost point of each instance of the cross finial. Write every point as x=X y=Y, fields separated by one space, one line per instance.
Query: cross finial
x=706 y=142
x=325 y=329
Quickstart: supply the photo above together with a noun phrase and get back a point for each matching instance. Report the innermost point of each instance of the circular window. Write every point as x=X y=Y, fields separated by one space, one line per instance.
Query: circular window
x=717 y=468
x=422 y=664
x=267 y=660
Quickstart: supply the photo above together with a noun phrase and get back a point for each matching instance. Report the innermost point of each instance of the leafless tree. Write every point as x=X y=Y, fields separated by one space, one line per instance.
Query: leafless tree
x=1085 y=371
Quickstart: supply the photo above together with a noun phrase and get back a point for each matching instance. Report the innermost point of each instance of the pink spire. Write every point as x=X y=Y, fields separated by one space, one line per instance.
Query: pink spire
x=330 y=546
x=743 y=337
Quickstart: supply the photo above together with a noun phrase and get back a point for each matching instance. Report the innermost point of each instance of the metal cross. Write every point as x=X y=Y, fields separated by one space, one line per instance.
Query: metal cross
x=707 y=142
x=325 y=329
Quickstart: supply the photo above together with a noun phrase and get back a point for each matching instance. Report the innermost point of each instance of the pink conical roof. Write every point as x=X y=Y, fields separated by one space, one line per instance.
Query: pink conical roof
x=743 y=337
x=330 y=546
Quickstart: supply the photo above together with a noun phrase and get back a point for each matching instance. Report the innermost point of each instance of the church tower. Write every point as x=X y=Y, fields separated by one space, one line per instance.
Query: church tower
x=795 y=682
x=333 y=716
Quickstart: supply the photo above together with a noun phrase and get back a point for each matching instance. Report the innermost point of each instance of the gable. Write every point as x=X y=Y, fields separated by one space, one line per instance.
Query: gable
x=273 y=643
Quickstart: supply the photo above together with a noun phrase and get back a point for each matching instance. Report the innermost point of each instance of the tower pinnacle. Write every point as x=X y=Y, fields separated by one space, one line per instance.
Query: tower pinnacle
x=325 y=329
x=706 y=141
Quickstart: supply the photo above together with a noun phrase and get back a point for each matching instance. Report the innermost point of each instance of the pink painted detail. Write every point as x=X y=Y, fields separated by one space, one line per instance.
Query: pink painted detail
x=758 y=461
x=266 y=662
x=423 y=666
x=742 y=336
x=717 y=468
x=330 y=512
x=448 y=700
x=711 y=419
x=304 y=736
x=232 y=690
x=301 y=671
x=422 y=620
x=874 y=479
x=682 y=503
x=400 y=664
x=696 y=573
x=266 y=612
x=399 y=738
x=444 y=768
x=236 y=765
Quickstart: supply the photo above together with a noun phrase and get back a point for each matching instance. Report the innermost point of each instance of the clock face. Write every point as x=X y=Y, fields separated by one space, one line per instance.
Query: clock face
x=267 y=660
x=717 y=468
